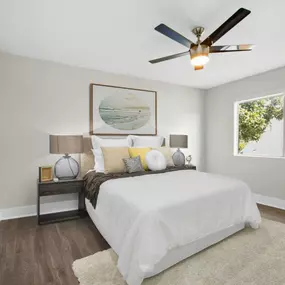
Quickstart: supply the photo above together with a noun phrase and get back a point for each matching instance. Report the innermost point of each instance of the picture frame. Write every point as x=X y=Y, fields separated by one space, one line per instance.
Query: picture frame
x=45 y=173
x=118 y=111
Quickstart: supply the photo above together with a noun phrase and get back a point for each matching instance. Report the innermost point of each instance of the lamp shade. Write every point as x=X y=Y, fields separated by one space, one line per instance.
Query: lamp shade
x=65 y=144
x=180 y=141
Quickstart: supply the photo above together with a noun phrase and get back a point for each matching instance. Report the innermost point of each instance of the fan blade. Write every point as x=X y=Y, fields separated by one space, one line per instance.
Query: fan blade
x=233 y=48
x=168 y=32
x=169 y=57
x=223 y=51
x=238 y=16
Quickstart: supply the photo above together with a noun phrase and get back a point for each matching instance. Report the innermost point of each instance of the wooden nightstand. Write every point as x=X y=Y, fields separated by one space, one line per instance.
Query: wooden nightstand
x=59 y=188
x=191 y=166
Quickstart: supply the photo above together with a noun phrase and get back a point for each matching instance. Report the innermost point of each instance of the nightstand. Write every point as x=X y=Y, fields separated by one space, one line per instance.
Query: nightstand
x=58 y=188
x=191 y=166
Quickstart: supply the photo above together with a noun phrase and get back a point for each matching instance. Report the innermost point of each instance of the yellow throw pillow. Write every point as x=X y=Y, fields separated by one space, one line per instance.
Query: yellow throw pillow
x=139 y=151
x=113 y=159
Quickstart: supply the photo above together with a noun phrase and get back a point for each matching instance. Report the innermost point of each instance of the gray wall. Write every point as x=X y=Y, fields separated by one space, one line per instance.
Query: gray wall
x=266 y=176
x=38 y=98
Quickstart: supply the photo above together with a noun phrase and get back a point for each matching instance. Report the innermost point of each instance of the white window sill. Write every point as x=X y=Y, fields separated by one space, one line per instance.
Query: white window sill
x=259 y=156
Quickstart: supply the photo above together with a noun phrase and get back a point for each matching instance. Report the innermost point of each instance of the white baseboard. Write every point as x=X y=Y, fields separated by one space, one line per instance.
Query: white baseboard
x=270 y=201
x=46 y=208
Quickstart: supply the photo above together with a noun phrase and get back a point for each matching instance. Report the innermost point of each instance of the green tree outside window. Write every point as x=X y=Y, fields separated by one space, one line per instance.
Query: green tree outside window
x=255 y=116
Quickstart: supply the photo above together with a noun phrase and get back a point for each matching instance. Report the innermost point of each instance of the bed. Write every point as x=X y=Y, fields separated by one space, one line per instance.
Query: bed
x=154 y=221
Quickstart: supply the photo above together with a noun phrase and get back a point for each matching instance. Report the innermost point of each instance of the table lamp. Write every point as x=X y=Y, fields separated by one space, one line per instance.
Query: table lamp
x=179 y=141
x=66 y=167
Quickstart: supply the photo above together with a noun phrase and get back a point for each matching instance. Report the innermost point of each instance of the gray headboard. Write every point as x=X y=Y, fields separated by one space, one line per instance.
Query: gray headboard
x=87 y=157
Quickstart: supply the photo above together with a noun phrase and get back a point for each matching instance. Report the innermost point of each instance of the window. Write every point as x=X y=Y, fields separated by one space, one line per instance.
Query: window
x=259 y=127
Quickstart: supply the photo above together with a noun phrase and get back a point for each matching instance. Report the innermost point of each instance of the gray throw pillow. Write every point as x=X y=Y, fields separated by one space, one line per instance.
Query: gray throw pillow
x=133 y=164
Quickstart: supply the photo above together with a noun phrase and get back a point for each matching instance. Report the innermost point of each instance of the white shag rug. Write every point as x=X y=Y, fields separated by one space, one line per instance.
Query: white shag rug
x=255 y=257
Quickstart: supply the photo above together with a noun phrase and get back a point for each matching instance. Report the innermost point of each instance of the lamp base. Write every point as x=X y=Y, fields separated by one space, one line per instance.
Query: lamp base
x=66 y=168
x=178 y=158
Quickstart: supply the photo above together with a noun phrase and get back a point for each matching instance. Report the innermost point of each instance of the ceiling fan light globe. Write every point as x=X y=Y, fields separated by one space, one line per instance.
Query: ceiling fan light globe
x=199 y=60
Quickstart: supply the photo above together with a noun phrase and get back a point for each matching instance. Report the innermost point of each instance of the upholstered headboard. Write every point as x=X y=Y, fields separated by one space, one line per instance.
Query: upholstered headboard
x=87 y=158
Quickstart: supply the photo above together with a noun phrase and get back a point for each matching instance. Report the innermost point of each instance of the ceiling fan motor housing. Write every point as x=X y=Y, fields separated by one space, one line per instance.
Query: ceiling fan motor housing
x=198 y=32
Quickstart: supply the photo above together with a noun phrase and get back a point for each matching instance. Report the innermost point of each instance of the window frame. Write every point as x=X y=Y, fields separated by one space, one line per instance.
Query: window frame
x=236 y=127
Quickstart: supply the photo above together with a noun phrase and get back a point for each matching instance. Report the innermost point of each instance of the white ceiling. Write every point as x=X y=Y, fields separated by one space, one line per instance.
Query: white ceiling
x=118 y=36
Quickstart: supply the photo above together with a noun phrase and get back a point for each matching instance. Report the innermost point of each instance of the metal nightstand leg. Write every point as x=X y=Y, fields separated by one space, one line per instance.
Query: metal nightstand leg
x=38 y=205
x=81 y=201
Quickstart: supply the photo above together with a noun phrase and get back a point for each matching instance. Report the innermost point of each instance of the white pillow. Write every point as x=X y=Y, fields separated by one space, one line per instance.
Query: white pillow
x=166 y=151
x=110 y=142
x=155 y=160
x=98 y=160
x=97 y=143
x=146 y=141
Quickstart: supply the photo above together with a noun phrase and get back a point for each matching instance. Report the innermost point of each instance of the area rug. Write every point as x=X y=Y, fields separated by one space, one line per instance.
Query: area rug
x=248 y=257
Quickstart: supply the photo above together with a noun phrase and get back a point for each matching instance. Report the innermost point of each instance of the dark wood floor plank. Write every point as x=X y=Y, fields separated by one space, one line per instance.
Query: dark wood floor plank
x=9 y=252
x=24 y=257
x=43 y=255
x=53 y=254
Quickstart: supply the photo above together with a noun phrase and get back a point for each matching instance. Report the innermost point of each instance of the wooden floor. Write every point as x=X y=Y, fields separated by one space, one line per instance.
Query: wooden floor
x=43 y=255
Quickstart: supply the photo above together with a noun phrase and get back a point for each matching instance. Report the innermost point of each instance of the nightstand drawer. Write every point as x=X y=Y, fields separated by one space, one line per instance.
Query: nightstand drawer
x=60 y=188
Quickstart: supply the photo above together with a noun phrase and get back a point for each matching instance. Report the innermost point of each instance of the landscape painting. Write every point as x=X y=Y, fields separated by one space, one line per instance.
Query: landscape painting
x=118 y=110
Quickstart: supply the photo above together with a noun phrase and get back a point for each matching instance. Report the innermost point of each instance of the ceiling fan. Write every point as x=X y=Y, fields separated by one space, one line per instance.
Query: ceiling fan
x=199 y=51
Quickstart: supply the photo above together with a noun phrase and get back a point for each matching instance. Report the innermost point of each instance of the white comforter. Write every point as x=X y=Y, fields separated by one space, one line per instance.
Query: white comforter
x=144 y=217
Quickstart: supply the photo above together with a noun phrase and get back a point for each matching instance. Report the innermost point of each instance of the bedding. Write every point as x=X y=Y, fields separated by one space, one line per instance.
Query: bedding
x=140 y=151
x=98 y=142
x=143 y=217
x=98 y=160
x=166 y=151
x=113 y=159
x=155 y=160
x=146 y=141
x=133 y=164
x=93 y=180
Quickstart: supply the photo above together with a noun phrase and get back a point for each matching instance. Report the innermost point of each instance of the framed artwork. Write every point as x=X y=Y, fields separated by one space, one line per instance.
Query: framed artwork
x=116 y=110
x=45 y=173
